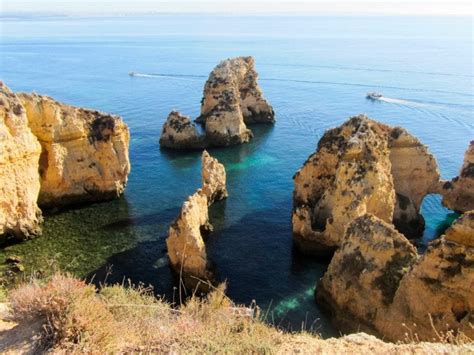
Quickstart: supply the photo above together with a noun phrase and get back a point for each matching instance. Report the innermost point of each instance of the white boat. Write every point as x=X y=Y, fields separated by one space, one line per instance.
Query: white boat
x=374 y=95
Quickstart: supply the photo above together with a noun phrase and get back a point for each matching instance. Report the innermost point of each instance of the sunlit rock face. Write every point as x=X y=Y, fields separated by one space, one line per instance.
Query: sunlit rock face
x=179 y=132
x=213 y=178
x=186 y=236
x=458 y=194
x=84 y=154
x=19 y=178
x=365 y=273
x=377 y=282
x=231 y=99
x=361 y=167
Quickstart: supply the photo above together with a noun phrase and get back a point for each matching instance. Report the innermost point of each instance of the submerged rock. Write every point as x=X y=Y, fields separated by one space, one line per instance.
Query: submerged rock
x=180 y=133
x=361 y=167
x=84 y=154
x=19 y=177
x=185 y=242
x=213 y=177
x=458 y=194
x=231 y=99
x=377 y=282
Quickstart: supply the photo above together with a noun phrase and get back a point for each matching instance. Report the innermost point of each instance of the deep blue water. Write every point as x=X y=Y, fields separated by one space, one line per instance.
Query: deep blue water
x=315 y=71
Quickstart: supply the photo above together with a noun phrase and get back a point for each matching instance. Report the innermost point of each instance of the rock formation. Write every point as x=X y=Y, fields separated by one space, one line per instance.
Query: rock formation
x=185 y=242
x=180 y=133
x=361 y=167
x=458 y=194
x=213 y=178
x=84 y=154
x=231 y=99
x=19 y=178
x=377 y=282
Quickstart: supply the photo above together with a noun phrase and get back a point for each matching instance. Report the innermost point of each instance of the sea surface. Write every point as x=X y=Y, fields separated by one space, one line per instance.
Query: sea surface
x=315 y=71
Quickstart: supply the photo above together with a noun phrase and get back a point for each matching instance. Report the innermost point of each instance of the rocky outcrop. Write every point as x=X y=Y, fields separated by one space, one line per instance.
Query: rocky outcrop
x=458 y=194
x=213 y=178
x=180 y=133
x=361 y=167
x=377 y=282
x=84 y=154
x=185 y=242
x=231 y=99
x=19 y=178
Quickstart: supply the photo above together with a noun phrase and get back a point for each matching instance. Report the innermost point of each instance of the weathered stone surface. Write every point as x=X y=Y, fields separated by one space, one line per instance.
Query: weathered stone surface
x=231 y=99
x=458 y=194
x=185 y=242
x=180 y=133
x=377 y=282
x=19 y=177
x=213 y=177
x=361 y=167
x=84 y=154
x=364 y=274
x=415 y=175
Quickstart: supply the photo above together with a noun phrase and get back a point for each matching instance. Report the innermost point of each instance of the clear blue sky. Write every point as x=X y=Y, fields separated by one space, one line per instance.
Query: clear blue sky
x=428 y=7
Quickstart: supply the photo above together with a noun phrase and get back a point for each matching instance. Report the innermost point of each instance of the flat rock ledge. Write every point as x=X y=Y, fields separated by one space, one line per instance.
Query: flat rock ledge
x=186 y=236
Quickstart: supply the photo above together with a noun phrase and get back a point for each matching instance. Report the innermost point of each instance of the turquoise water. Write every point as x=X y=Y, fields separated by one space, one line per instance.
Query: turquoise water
x=315 y=71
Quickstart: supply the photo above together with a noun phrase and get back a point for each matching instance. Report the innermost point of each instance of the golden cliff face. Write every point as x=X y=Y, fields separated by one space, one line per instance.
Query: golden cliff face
x=361 y=167
x=84 y=154
x=53 y=155
x=19 y=178
x=458 y=194
x=377 y=282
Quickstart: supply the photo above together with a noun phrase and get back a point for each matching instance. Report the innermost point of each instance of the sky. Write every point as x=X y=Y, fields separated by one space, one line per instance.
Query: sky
x=388 y=7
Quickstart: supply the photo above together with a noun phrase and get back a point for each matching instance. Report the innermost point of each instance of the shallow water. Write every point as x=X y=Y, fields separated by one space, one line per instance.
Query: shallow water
x=315 y=71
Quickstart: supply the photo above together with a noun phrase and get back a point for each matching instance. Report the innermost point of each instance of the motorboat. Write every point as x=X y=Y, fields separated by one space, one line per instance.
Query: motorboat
x=374 y=96
x=132 y=73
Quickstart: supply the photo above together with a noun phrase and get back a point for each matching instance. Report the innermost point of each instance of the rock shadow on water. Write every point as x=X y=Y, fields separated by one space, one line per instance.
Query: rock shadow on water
x=229 y=156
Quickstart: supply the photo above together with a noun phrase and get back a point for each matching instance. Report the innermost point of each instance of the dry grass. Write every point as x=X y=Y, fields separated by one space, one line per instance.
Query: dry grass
x=76 y=317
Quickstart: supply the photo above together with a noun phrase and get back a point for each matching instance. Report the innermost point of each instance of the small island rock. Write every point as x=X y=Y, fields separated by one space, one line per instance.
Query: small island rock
x=179 y=132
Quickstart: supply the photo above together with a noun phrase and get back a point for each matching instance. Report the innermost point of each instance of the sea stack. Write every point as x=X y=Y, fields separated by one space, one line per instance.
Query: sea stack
x=185 y=242
x=179 y=132
x=361 y=167
x=19 y=178
x=84 y=154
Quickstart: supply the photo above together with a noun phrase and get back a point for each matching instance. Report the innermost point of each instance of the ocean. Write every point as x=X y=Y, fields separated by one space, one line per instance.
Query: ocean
x=314 y=70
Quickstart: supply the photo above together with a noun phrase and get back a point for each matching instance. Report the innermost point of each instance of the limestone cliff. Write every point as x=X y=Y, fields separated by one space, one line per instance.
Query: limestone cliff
x=84 y=154
x=185 y=242
x=458 y=194
x=213 y=178
x=360 y=167
x=377 y=282
x=180 y=133
x=231 y=99
x=19 y=178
